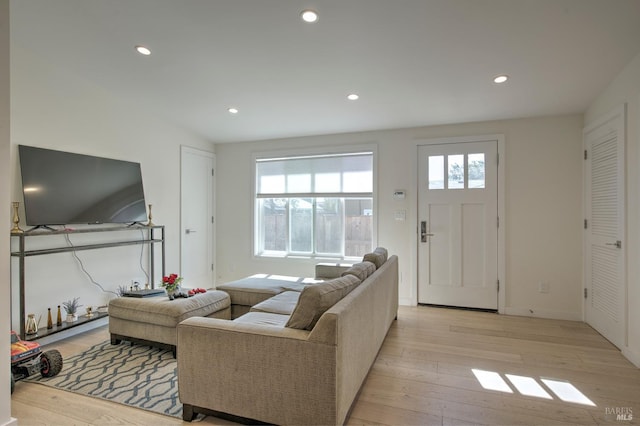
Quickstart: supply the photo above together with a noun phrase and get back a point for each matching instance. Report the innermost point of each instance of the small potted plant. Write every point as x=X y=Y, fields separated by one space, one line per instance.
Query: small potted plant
x=171 y=283
x=71 y=307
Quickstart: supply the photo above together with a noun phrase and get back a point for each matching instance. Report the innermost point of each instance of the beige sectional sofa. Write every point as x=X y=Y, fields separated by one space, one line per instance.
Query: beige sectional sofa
x=298 y=357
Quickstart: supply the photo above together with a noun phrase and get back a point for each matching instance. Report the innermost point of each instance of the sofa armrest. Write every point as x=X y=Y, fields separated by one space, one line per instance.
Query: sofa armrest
x=328 y=271
x=222 y=365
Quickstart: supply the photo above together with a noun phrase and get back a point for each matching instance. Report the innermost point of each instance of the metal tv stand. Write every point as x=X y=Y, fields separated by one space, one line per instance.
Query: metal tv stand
x=22 y=253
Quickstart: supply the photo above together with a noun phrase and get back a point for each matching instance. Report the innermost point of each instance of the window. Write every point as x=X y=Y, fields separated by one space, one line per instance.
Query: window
x=316 y=205
x=456 y=177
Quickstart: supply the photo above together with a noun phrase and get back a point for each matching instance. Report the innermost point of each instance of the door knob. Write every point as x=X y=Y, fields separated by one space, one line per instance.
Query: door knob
x=189 y=231
x=618 y=244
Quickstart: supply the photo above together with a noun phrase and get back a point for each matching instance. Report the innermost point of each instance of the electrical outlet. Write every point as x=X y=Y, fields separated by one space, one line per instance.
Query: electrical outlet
x=543 y=286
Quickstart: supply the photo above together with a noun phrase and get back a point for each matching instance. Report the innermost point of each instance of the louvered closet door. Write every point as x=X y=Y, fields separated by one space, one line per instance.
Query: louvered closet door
x=605 y=300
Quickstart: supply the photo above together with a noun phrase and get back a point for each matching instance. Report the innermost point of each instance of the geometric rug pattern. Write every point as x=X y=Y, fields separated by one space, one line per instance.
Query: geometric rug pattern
x=135 y=375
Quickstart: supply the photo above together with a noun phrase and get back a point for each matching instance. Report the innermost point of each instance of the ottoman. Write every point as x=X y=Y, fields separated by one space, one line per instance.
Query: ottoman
x=153 y=320
x=250 y=291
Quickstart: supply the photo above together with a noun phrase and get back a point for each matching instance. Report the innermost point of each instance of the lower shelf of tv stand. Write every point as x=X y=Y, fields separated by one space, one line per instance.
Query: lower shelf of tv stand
x=42 y=332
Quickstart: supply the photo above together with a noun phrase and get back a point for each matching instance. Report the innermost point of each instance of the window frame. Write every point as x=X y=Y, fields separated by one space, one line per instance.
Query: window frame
x=256 y=230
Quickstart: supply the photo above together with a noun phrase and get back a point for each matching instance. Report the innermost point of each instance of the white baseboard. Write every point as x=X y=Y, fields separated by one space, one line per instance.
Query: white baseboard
x=632 y=356
x=540 y=313
x=522 y=312
x=11 y=422
x=405 y=301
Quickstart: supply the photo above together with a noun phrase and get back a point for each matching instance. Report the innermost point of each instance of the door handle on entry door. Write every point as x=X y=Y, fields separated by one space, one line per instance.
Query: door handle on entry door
x=189 y=231
x=423 y=232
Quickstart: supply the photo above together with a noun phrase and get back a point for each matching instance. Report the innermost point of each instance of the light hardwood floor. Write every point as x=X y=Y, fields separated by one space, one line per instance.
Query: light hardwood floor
x=423 y=376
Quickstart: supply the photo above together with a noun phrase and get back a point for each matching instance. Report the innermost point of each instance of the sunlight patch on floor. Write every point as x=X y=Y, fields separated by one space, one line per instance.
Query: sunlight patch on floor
x=492 y=381
x=567 y=392
x=529 y=386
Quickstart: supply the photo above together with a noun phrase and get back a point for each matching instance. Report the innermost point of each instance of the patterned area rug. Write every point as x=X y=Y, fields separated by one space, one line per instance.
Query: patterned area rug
x=139 y=376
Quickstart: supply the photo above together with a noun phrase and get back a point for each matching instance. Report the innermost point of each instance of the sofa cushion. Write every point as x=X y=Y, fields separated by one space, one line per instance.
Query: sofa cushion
x=377 y=257
x=284 y=303
x=361 y=270
x=316 y=299
x=262 y=318
x=327 y=271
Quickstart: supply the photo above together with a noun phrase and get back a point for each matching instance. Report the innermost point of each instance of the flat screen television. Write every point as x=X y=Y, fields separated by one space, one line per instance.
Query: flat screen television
x=63 y=188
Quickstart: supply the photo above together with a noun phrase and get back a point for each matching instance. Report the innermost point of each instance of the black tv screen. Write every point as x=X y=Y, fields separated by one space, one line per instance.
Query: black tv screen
x=65 y=188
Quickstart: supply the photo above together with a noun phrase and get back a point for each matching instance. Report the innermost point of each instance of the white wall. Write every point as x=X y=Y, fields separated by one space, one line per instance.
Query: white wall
x=5 y=217
x=626 y=89
x=543 y=207
x=53 y=108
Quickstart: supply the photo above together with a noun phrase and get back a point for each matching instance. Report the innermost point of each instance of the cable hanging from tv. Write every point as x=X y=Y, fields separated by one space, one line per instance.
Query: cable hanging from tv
x=93 y=281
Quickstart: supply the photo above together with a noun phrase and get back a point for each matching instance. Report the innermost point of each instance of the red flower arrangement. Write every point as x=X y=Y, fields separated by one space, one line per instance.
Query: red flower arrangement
x=171 y=282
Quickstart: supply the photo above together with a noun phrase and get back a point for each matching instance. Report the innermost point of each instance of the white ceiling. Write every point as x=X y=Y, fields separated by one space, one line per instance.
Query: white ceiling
x=413 y=62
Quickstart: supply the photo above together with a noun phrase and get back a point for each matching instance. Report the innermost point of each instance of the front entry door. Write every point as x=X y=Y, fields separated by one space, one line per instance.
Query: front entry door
x=458 y=224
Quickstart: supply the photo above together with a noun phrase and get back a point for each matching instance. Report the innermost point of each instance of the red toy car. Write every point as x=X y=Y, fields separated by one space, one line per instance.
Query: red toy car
x=27 y=359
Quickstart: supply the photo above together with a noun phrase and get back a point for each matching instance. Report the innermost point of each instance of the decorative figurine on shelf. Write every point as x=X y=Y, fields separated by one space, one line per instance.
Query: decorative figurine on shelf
x=71 y=307
x=59 y=318
x=150 y=223
x=49 y=319
x=89 y=310
x=31 y=326
x=16 y=219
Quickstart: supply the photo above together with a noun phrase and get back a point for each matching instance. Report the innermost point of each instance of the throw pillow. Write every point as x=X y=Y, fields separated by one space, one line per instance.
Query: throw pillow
x=315 y=300
x=361 y=270
x=377 y=257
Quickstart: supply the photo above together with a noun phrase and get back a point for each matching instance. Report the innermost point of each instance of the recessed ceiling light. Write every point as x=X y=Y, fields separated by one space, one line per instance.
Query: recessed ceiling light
x=143 y=50
x=500 y=78
x=353 y=97
x=233 y=110
x=309 y=15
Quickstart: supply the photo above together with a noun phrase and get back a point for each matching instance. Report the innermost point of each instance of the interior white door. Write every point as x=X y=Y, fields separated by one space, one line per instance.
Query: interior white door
x=458 y=224
x=605 y=307
x=197 y=227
